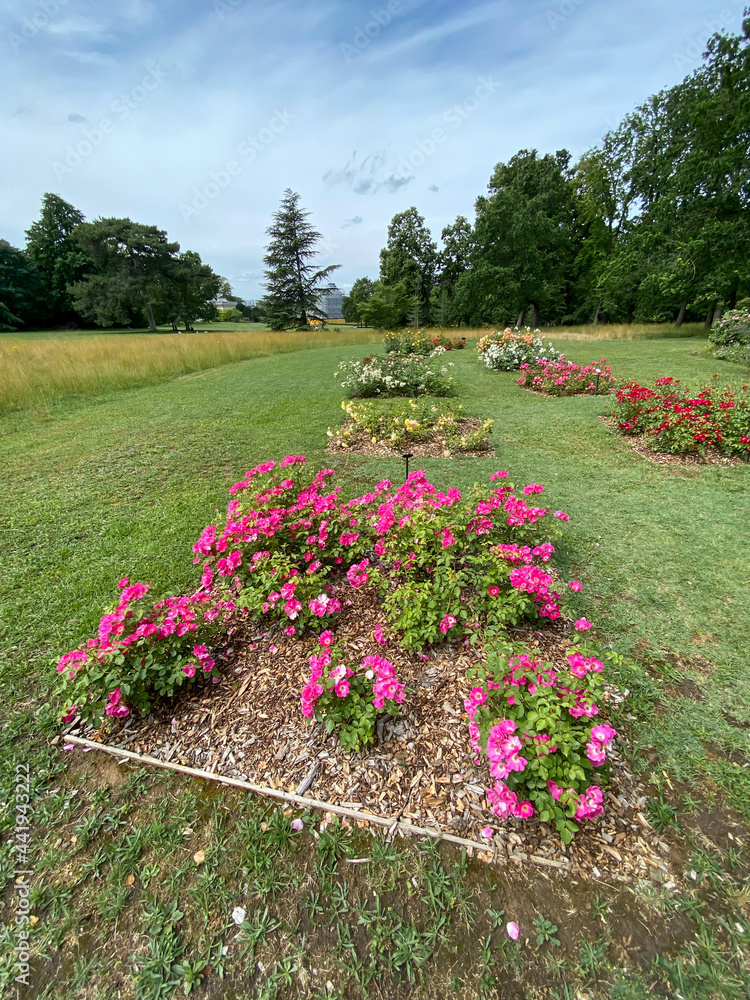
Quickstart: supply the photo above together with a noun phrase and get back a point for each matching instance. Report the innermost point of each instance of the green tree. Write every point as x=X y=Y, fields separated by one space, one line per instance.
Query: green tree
x=294 y=283
x=684 y=160
x=190 y=286
x=19 y=287
x=452 y=262
x=410 y=258
x=362 y=290
x=133 y=269
x=388 y=306
x=59 y=258
x=523 y=241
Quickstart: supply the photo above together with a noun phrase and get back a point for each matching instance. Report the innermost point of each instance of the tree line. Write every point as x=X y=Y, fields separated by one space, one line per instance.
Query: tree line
x=651 y=225
x=109 y=272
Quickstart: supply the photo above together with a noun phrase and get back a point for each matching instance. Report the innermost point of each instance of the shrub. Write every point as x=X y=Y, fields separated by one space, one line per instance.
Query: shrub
x=730 y=336
x=350 y=698
x=565 y=378
x=449 y=343
x=406 y=342
x=394 y=375
x=414 y=420
x=143 y=651
x=533 y=723
x=508 y=350
x=679 y=421
x=290 y=549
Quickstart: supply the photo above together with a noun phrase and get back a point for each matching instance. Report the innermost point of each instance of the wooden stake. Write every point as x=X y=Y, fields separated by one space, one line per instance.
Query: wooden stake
x=393 y=822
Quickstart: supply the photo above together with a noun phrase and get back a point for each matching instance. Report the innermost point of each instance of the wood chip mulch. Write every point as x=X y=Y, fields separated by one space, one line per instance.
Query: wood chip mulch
x=639 y=445
x=421 y=767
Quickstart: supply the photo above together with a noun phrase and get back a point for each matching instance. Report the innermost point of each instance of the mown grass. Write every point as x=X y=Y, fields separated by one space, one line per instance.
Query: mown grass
x=122 y=485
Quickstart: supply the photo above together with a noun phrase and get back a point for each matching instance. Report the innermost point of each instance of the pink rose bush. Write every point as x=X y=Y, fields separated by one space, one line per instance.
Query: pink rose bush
x=562 y=377
x=143 y=650
x=291 y=549
x=348 y=697
x=289 y=553
x=533 y=724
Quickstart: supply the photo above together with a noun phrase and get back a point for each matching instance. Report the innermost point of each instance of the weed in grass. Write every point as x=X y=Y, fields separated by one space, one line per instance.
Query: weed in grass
x=662 y=814
x=56 y=807
x=113 y=896
x=52 y=859
x=333 y=844
x=411 y=949
x=157 y=972
x=94 y=864
x=192 y=973
x=556 y=964
x=510 y=957
x=7 y=865
x=84 y=969
x=282 y=975
x=389 y=864
x=497 y=918
x=545 y=931
x=566 y=992
x=590 y=957
x=253 y=932
x=706 y=865
x=209 y=895
x=487 y=981
x=447 y=891
x=149 y=872
x=136 y=785
x=177 y=875
x=313 y=905
x=349 y=959
x=127 y=850
x=339 y=903
x=99 y=796
x=689 y=804
x=600 y=908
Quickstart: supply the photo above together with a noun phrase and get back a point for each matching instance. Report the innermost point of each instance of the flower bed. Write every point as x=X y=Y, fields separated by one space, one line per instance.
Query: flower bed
x=448 y=567
x=731 y=336
x=442 y=429
x=508 y=350
x=565 y=378
x=408 y=342
x=677 y=420
x=394 y=375
x=421 y=767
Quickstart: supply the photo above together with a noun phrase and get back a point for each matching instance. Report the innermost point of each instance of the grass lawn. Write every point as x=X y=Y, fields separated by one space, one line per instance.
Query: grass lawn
x=122 y=483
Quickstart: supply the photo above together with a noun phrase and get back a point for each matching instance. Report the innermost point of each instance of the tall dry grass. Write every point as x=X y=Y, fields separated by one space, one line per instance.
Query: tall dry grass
x=35 y=373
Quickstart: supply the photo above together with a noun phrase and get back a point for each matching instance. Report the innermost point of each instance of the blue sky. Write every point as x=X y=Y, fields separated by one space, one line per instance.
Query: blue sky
x=195 y=115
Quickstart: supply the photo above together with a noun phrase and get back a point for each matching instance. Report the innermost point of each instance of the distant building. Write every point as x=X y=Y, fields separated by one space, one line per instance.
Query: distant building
x=224 y=303
x=332 y=304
